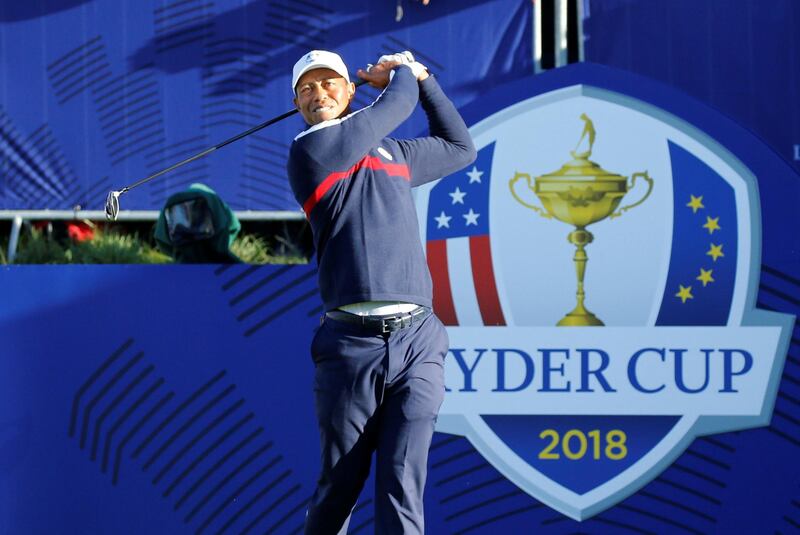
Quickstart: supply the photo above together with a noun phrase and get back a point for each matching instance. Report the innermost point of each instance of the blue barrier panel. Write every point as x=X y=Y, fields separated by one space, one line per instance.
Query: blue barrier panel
x=133 y=400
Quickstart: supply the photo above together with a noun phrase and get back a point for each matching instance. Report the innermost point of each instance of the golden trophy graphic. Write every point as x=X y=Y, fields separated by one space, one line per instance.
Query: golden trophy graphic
x=579 y=194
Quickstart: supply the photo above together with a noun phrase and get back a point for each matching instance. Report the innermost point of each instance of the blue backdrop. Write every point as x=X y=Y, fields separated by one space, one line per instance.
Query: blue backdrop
x=177 y=399
x=96 y=95
x=739 y=56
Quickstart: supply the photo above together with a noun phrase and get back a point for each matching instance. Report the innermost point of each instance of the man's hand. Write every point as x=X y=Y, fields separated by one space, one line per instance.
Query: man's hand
x=388 y=62
x=407 y=58
x=378 y=75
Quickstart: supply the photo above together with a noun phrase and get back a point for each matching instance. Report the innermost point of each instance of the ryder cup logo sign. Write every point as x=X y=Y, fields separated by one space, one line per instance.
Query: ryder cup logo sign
x=596 y=268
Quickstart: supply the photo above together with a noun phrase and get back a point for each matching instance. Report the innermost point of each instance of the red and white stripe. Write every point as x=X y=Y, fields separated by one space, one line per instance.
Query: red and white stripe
x=464 y=285
x=367 y=162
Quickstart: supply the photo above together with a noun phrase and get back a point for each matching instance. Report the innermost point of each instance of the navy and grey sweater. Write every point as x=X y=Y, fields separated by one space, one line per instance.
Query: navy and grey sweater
x=354 y=185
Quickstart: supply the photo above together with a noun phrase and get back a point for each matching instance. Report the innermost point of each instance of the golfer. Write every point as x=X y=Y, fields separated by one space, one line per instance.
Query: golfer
x=379 y=352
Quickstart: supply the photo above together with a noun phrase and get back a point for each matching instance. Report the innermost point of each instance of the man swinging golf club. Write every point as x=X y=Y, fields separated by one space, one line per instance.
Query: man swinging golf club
x=379 y=353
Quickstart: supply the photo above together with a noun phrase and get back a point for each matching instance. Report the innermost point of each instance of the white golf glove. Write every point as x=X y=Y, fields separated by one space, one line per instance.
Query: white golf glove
x=405 y=58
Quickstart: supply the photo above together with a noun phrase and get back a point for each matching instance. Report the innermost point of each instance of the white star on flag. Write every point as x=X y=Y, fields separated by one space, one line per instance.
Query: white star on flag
x=458 y=196
x=475 y=175
x=443 y=220
x=471 y=217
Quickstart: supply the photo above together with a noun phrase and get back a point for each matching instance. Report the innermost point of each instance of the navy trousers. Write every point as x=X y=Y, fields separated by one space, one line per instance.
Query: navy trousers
x=375 y=393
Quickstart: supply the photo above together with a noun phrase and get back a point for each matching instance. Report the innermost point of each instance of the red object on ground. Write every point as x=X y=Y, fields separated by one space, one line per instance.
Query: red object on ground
x=79 y=231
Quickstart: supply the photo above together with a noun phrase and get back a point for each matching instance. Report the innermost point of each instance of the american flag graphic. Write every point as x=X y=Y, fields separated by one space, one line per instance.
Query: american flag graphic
x=458 y=242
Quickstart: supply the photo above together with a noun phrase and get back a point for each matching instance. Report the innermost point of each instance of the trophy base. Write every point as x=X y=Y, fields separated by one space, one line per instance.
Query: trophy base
x=580 y=319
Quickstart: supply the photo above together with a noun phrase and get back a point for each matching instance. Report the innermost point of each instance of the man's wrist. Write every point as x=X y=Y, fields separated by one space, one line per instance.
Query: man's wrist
x=417 y=69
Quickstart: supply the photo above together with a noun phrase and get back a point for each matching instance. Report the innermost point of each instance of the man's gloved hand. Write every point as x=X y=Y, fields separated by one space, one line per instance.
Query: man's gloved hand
x=403 y=58
x=379 y=75
x=406 y=58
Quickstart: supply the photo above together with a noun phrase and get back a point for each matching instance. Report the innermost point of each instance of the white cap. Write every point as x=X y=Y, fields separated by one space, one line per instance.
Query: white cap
x=319 y=59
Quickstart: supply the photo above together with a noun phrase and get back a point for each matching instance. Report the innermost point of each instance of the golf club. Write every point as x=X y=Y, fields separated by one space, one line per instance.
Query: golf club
x=112 y=200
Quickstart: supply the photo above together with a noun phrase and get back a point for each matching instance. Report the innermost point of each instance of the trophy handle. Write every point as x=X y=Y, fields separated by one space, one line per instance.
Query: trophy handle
x=640 y=201
x=533 y=207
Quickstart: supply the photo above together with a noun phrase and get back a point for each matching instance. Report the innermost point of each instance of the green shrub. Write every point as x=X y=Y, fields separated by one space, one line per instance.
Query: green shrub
x=105 y=248
x=38 y=248
x=113 y=248
x=253 y=249
x=151 y=255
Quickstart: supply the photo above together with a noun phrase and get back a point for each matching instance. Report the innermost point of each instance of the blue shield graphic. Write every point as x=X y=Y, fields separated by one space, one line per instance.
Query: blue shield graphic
x=581 y=417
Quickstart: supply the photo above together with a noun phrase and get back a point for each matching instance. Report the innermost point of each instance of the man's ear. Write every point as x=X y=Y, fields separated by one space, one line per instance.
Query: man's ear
x=351 y=90
x=296 y=105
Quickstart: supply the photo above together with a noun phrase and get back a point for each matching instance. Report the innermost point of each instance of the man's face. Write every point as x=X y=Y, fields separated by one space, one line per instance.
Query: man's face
x=322 y=94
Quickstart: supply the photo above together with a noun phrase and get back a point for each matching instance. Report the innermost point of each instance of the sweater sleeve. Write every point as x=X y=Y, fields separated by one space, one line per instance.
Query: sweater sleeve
x=338 y=144
x=449 y=146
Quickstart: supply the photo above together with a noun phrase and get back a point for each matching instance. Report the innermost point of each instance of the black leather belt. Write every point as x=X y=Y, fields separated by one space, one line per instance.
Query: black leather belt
x=381 y=324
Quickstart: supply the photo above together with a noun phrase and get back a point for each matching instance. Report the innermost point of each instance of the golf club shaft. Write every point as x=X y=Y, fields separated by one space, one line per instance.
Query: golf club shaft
x=218 y=146
x=209 y=150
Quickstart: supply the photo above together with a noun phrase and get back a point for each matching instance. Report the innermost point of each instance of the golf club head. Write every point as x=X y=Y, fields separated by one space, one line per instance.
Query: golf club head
x=112 y=205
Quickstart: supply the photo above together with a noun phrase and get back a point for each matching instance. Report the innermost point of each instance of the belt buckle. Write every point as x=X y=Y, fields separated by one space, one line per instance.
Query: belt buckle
x=400 y=322
x=386 y=325
x=395 y=323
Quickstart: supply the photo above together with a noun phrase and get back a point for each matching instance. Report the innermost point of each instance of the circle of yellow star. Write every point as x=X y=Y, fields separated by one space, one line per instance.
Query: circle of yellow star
x=712 y=224
x=695 y=203
x=715 y=251
x=684 y=293
x=705 y=276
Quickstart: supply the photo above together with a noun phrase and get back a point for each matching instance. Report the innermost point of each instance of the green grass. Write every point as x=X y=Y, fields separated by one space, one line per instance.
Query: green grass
x=38 y=248
x=112 y=247
x=253 y=249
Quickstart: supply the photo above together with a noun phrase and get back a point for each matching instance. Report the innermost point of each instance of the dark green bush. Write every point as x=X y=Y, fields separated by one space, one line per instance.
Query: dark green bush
x=111 y=247
x=37 y=247
x=253 y=249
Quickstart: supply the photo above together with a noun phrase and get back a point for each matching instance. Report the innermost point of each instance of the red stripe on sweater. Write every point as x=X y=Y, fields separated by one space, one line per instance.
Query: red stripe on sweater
x=367 y=162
